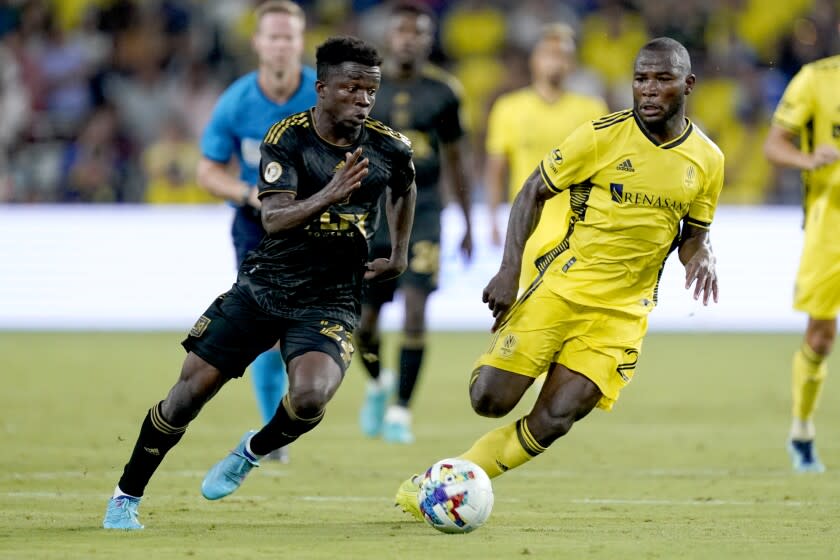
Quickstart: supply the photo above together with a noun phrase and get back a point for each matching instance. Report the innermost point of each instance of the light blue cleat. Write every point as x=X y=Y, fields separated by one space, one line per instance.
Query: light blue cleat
x=397 y=426
x=122 y=514
x=372 y=413
x=804 y=456
x=227 y=475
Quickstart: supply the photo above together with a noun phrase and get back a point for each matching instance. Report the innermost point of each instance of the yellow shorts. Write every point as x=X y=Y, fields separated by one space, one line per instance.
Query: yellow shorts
x=818 y=281
x=542 y=328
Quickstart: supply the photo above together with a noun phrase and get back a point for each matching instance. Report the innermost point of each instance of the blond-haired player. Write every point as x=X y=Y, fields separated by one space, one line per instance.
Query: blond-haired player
x=634 y=177
x=525 y=124
x=810 y=110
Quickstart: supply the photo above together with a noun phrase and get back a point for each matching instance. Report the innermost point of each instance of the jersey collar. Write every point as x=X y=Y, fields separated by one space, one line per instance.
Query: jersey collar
x=671 y=143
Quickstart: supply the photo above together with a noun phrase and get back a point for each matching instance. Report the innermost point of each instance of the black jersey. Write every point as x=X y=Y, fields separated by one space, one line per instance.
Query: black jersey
x=427 y=110
x=319 y=266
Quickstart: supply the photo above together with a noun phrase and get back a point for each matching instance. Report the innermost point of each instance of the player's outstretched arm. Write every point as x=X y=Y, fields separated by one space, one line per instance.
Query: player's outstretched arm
x=699 y=261
x=280 y=210
x=215 y=178
x=399 y=211
x=500 y=292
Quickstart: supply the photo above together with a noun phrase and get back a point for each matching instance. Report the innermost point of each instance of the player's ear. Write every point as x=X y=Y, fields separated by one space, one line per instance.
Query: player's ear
x=319 y=88
x=689 y=83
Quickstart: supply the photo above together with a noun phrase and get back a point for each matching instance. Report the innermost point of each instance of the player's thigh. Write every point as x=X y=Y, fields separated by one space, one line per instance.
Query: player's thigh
x=318 y=353
x=604 y=346
x=231 y=333
x=424 y=252
x=533 y=332
x=817 y=290
x=494 y=391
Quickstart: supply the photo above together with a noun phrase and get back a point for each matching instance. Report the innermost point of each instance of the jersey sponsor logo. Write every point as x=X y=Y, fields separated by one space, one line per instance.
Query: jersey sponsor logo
x=629 y=366
x=626 y=165
x=338 y=166
x=508 y=345
x=199 y=327
x=629 y=198
x=272 y=172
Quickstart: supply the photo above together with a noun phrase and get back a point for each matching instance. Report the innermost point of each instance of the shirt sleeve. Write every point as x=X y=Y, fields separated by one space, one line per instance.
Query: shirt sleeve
x=498 y=138
x=797 y=104
x=218 y=141
x=573 y=161
x=702 y=209
x=402 y=171
x=277 y=168
x=450 y=126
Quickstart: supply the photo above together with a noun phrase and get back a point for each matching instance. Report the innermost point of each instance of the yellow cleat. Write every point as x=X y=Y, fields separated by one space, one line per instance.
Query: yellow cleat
x=406 y=498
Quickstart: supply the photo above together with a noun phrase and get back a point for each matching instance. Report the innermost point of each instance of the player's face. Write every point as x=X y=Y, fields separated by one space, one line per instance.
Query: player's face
x=553 y=60
x=278 y=41
x=410 y=37
x=660 y=85
x=349 y=92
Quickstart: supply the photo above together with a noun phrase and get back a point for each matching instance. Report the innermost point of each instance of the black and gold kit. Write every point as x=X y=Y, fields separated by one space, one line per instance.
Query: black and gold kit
x=426 y=109
x=307 y=279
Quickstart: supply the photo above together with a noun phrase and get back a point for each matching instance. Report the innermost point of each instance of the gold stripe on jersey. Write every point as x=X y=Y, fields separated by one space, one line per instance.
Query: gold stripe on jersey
x=276 y=131
x=697 y=223
x=613 y=118
x=380 y=127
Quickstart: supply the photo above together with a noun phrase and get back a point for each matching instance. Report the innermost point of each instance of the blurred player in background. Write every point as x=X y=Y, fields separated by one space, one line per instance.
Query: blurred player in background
x=280 y=86
x=322 y=174
x=633 y=177
x=422 y=102
x=525 y=124
x=810 y=110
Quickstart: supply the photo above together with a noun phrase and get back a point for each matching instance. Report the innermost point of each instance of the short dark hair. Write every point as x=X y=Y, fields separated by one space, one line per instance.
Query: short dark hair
x=337 y=50
x=671 y=46
x=411 y=7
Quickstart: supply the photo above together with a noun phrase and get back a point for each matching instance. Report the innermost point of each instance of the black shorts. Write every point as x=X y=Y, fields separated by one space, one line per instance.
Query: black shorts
x=234 y=330
x=423 y=260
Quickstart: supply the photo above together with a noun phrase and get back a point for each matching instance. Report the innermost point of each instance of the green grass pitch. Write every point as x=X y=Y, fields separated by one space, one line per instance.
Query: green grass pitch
x=690 y=464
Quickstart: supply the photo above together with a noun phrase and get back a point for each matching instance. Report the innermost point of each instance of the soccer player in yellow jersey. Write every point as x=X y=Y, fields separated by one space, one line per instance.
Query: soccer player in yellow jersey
x=634 y=177
x=524 y=124
x=810 y=109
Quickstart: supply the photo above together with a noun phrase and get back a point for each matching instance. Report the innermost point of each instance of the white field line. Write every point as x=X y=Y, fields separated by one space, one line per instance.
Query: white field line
x=378 y=499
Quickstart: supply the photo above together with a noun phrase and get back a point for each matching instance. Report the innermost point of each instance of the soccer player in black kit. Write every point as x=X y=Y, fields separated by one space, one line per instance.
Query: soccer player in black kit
x=322 y=173
x=422 y=102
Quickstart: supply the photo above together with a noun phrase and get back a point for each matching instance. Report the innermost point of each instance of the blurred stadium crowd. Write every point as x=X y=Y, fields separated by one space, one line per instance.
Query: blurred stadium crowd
x=103 y=100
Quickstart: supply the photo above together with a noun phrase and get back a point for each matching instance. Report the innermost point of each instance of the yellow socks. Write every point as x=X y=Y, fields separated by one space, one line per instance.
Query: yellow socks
x=809 y=372
x=504 y=448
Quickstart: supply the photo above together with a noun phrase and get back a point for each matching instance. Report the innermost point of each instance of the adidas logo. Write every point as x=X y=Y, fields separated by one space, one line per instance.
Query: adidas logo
x=625 y=166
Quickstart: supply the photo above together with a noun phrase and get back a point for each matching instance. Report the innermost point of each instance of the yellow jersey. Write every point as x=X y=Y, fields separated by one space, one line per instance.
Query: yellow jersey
x=810 y=107
x=522 y=127
x=628 y=196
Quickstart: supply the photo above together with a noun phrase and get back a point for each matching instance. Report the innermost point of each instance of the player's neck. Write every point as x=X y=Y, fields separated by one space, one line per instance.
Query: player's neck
x=398 y=71
x=279 y=87
x=665 y=131
x=331 y=131
x=547 y=91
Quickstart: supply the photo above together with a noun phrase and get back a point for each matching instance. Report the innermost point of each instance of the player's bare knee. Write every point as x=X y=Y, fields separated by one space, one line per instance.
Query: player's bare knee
x=487 y=403
x=308 y=402
x=820 y=336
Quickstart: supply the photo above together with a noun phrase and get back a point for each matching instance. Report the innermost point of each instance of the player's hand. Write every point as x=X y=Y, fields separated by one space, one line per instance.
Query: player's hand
x=253 y=199
x=500 y=294
x=347 y=179
x=824 y=154
x=385 y=269
x=467 y=245
x=700 y=271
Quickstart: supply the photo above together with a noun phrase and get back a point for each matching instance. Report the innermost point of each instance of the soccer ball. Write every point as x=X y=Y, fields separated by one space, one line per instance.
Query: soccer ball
x=455 y=496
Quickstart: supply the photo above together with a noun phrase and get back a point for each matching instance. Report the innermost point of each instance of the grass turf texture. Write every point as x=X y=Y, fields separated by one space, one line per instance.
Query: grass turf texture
x=690 y=464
